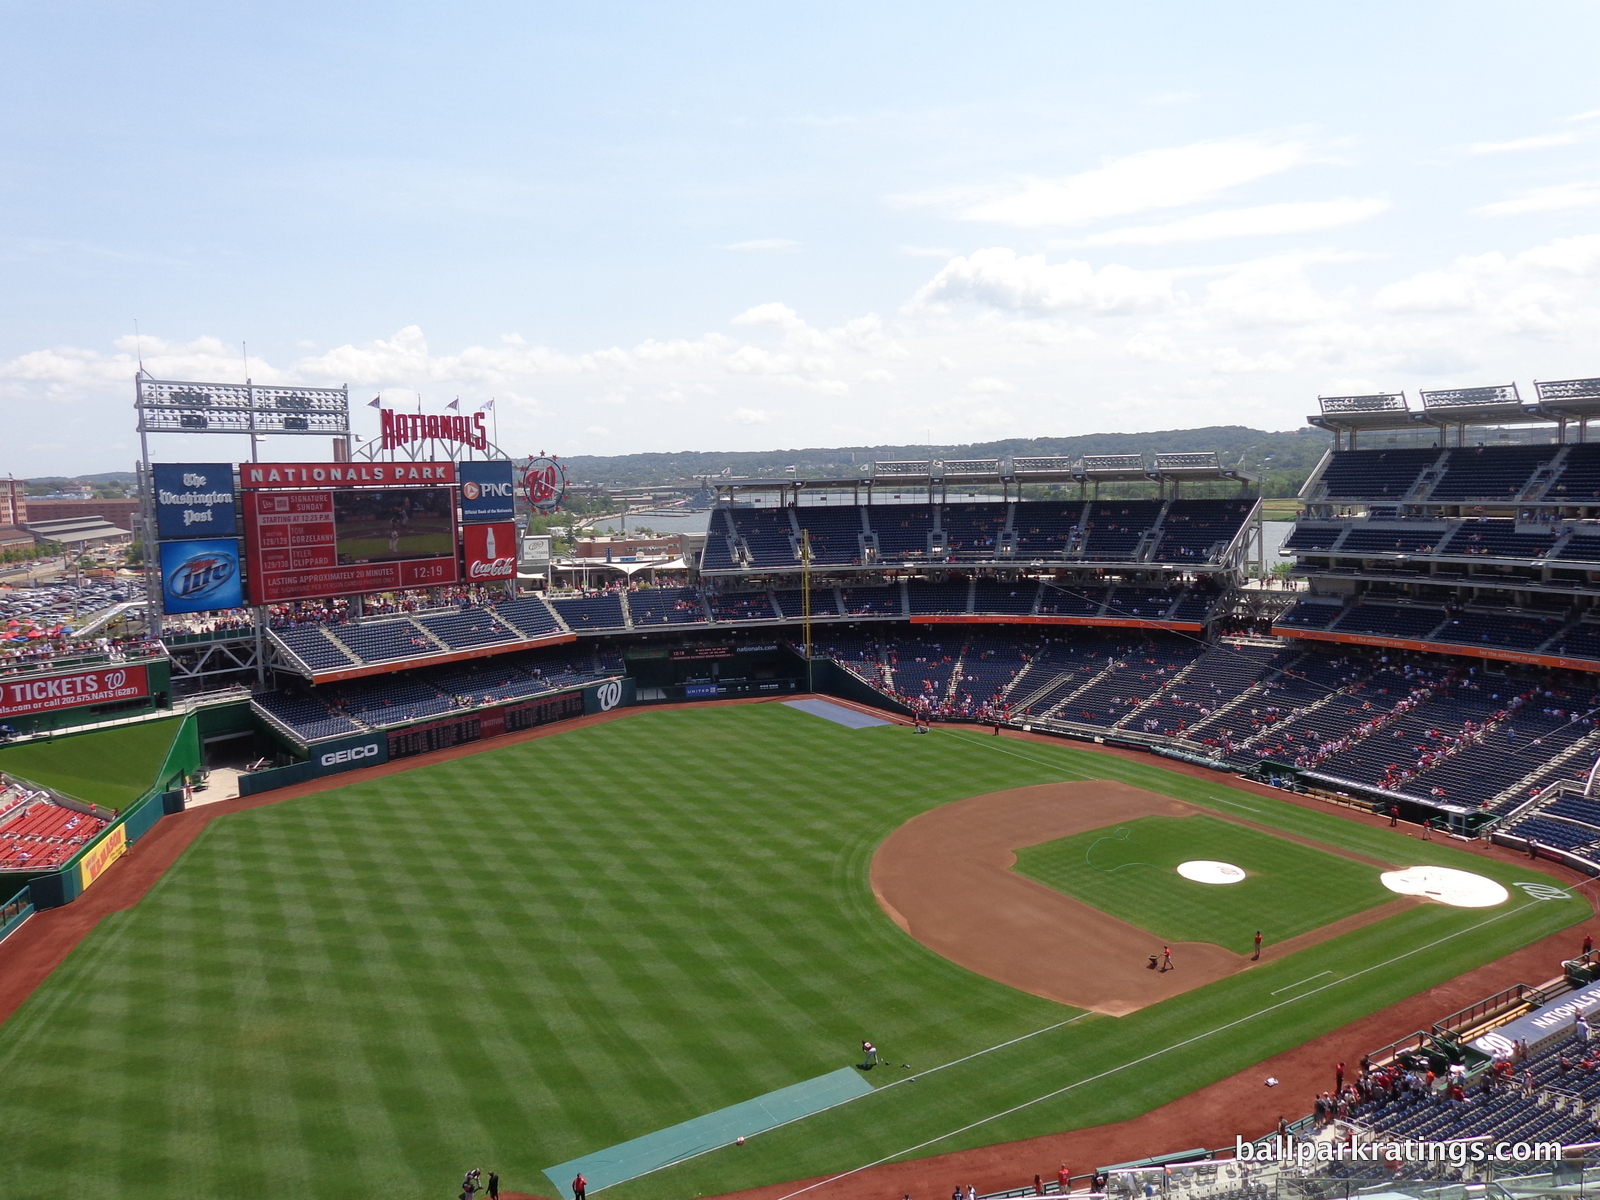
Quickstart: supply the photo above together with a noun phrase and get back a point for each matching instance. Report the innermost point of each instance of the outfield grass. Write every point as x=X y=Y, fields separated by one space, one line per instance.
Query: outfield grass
x=544 y=949
x=112 y=767
x=1128 y=870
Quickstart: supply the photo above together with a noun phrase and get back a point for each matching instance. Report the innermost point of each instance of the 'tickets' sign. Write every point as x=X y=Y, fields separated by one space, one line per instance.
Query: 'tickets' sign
x=491 y=550
x=20 y=697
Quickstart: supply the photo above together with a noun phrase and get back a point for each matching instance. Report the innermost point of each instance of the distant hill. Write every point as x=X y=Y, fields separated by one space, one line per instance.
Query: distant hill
x=1286 y=458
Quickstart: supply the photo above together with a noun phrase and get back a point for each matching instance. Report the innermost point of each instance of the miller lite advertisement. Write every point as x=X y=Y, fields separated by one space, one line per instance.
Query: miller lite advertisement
x=200 y=576
x=491 y=551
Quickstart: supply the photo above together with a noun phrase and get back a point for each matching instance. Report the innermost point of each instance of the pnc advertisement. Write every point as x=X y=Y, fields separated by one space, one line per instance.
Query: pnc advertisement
x=488 y=491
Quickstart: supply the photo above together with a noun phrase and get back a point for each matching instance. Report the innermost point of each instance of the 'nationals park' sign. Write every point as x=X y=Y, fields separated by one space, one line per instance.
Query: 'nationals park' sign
x=20 y=697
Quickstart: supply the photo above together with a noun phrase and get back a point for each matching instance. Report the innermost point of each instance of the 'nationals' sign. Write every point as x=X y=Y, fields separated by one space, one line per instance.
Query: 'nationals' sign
x=19 y=697
x=281 y=475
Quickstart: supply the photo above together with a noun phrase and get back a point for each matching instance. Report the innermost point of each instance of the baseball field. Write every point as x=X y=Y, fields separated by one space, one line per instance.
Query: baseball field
x=530 y=954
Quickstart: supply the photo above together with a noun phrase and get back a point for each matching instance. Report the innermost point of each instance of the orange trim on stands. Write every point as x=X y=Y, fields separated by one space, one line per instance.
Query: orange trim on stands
x=1121 y=622
x=438 y=660
x=1492 y=652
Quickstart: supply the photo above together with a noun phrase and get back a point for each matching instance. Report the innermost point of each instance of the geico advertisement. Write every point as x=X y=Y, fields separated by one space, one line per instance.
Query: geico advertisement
x=349 y=754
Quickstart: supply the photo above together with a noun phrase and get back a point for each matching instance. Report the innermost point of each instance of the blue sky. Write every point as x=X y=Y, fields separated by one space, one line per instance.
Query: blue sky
x=738 y=226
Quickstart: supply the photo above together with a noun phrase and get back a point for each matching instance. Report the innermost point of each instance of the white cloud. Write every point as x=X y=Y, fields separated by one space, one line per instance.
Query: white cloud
x=1001 y=278
x=1155 y=179
x=1272 y=291
x=877 y=375
x=1541 y=142
x=775 y=315
x=750 y=416
x=1263 y=221
x=767 y=245
x=1562 y=197
x=1430 y=291
x=1571 y=256
x=598 y=431
x=988 y=385
x=1592 y=115
x=927 y=252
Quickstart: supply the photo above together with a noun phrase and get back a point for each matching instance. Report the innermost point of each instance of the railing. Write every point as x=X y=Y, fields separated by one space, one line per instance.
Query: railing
x=1460 y=1022
x=15 y=911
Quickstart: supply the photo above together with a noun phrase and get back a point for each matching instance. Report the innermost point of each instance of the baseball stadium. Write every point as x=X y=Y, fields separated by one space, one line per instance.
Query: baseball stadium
x=987 y=827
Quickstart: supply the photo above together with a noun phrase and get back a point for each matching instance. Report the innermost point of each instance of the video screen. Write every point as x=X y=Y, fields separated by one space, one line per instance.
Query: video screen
x=393 y=523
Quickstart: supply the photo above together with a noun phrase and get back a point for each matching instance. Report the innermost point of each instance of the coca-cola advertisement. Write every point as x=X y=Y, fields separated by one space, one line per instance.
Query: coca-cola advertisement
x=491 y=551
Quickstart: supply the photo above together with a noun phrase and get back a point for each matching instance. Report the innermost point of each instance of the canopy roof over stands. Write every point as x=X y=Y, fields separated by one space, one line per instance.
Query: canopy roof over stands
x=1557 y=402
x=918 y=474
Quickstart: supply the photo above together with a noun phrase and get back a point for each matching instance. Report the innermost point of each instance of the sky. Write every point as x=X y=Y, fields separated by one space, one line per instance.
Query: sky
x=722 y=226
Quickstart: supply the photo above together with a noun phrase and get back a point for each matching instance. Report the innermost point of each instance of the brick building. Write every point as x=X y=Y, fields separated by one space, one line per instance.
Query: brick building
x=121 y=513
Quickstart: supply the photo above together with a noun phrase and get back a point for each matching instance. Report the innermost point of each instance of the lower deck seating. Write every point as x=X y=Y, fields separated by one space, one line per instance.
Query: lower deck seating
x=666 y=606
x=43 y=834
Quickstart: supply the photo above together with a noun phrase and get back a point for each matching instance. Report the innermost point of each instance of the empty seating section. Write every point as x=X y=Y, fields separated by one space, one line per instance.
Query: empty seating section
x=1113 y=529
x=1579 y=478
x=311 y=645
x=1489 y=472
x=666 y=606
x=389 y=701
x=489 y=680
x=1196 y=530
x=1071 y=602
x=1044 y=528
x=857 y=652
x=1192 y=606
x=768 y=534
x=529 y=616
x=1139 y=604
x=937 y=597
x=717 y=556
x=871 y=601
x=1057 y=671
x=902 y=530
x=44 y=834
x=307 y=715
x=590 y=612
x=1497 y=537
x=1389 y=620
x=1580 y=641
x=386 y=640
x=1141 y=670
x=468 y=628
x=1375 y=474
x=835 y=534
x=1511 y=630
x=742 y=606
x=1307 y=536
x=1581 y=549
x=824 y=602
x=972 y=530
x=1366 y=539
x=1311 y=615
x=1014 y=598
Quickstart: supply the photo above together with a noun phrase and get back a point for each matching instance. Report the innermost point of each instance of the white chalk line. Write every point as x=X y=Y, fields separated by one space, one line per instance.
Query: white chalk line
x=1152 y=1055
x=1307 y=979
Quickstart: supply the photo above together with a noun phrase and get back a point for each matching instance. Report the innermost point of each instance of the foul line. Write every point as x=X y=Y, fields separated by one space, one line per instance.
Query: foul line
x=1307 y=979
x=1153 y=1054
x=1235 y=804
x=955 y=1062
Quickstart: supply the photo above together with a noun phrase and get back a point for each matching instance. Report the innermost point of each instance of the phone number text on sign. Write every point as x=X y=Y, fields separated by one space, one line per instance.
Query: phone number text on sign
x=20 y=697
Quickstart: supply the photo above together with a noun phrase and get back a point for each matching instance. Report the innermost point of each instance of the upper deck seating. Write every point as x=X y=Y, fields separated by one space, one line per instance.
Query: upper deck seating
x=1044 y=527
x=1489 y=472
x=1307 y=536
x=1141 y=604
x=835 y=533
x=769 y=535
x=1511 y=630
x=1071 y=601
x=1197 y=530
x=717 y=556
x=386 y=640
x=468 y=628
x=1580 y=549
x=902 y=530
x=1308 y=614
x=590 y=612
x=1375 y=474
x=1369 y=540
x=529 y=615
x=1496 y=537
x=1114 y=528
x=972 y=530
x=1579 y=478
x=312 y=646
x=666 y=606
x=1192 y=606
